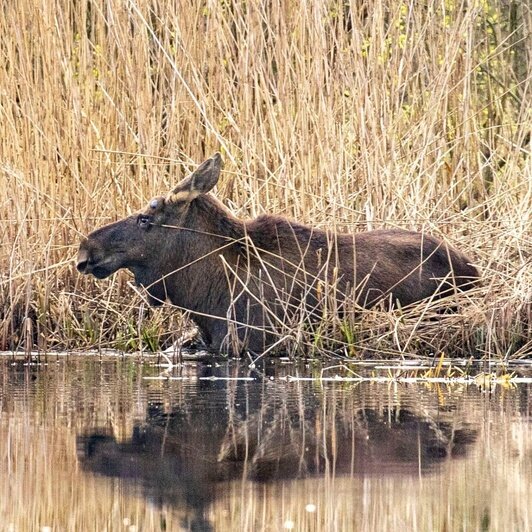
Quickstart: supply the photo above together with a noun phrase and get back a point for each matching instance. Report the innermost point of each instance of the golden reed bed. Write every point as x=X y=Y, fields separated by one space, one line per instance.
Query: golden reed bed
x=344 y=115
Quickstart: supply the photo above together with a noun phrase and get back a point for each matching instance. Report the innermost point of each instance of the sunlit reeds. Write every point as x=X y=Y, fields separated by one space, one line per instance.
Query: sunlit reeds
x=345 y=115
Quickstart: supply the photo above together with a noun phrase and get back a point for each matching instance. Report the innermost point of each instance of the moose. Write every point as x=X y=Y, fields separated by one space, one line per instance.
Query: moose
x=241 y=280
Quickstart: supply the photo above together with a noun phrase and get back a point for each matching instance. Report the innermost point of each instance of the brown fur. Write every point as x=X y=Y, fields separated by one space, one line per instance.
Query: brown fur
x=256 y=274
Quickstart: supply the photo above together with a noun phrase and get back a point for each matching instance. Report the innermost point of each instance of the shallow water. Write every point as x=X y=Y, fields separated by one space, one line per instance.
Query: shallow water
x=103 y=444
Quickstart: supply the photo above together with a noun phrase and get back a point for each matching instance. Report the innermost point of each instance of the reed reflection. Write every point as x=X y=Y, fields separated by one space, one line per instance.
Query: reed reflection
x=271 y=431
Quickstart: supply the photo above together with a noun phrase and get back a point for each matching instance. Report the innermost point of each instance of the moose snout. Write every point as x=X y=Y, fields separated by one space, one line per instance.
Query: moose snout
x=93 y=261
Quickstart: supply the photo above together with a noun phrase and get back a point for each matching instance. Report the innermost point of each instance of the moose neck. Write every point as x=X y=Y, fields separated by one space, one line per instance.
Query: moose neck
x=207 y=214
x=209 y=233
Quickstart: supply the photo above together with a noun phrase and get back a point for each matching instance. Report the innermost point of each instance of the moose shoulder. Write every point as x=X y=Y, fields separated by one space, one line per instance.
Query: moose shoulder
x=241 y=280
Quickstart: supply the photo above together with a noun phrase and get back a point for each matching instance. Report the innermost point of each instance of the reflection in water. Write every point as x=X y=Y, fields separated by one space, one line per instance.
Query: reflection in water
x=267 y=431
x=249 y=454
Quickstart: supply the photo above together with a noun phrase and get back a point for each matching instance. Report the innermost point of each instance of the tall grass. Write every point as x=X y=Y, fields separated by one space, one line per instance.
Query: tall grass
x=341 y=114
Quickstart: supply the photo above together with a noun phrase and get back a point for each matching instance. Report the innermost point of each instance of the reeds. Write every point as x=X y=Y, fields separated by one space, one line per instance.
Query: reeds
x=347 y=115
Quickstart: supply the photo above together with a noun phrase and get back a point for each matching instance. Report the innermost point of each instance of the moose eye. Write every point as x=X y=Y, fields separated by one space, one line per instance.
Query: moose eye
x=143 y=221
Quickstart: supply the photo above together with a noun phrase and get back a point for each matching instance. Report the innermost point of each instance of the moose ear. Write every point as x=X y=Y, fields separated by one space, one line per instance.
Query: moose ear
x=200 y=182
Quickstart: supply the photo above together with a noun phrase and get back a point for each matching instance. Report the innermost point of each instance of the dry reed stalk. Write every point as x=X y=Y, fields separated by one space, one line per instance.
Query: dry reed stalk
x=344 y=115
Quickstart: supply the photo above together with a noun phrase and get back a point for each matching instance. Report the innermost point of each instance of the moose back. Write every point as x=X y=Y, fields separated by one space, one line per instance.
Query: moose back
x=244 y=281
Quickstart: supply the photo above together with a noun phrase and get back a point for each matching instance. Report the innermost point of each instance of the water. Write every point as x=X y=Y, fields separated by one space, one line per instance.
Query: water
x=103 y=444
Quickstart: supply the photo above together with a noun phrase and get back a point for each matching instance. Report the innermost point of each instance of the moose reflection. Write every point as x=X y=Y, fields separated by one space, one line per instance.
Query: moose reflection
x=267 y=432
x=245 y=282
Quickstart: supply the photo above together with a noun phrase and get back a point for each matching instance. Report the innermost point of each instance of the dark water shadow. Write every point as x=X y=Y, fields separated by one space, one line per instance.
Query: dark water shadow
x=269 y=431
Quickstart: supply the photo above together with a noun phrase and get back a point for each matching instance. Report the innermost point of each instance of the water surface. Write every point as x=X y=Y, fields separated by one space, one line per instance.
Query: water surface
x=89 y=443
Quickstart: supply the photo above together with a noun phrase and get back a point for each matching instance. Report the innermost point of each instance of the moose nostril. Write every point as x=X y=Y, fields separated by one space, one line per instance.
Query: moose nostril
x=83 y=259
